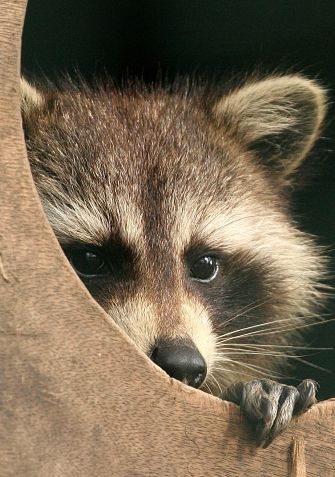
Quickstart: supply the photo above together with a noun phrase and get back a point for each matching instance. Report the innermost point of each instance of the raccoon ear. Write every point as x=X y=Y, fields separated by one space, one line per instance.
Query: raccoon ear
x=31 y=98
x=279 y=118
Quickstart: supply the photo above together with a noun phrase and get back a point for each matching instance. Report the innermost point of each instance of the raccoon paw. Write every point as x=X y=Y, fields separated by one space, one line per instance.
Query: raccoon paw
x=270 y=406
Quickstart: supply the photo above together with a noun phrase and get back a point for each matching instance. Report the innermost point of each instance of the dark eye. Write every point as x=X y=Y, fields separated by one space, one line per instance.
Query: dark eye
x=204 y=269
x=87 y=262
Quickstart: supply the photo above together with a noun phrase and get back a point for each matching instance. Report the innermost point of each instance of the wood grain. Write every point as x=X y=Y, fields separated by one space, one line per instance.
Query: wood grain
x=298 y=466
x=76 y=397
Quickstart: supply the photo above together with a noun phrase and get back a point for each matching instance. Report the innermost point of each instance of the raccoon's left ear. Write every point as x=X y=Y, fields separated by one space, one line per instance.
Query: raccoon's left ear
x=279 y=118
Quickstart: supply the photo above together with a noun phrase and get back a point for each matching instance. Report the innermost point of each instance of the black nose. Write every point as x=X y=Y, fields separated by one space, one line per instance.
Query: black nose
x=181 y=361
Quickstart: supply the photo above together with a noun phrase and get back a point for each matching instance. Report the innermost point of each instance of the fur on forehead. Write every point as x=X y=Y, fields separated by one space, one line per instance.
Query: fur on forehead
x=278 y=117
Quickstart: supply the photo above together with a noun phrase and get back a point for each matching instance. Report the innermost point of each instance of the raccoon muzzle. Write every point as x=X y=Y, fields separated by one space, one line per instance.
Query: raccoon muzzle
x=181 y=361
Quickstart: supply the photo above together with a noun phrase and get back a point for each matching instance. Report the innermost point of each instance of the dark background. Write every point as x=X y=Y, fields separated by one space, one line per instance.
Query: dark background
x=211 y=38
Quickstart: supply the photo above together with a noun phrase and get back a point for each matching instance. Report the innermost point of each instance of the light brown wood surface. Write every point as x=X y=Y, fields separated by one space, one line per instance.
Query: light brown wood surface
x=77 y=399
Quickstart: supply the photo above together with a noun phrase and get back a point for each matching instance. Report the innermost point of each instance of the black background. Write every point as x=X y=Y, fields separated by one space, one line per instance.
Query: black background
x=207 y=37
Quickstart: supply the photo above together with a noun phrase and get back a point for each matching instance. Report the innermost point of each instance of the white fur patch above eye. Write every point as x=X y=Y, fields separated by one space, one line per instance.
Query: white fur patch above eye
x=78 y=223
x=85 y=221
x=130 y=219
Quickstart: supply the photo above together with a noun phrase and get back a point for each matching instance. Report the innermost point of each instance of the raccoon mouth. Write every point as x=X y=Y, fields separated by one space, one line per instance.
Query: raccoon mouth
x=180 y=360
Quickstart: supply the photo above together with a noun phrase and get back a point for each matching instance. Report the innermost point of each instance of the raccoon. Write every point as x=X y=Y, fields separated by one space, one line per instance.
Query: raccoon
x=171 y=203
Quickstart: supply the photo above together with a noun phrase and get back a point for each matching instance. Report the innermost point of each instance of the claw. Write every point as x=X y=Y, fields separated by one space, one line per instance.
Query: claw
x=307 y=390
x=270 y=406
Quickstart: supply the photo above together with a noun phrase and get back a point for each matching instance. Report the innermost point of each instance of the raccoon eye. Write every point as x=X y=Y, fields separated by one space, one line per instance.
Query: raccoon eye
x=87 y=262
x=204 y=269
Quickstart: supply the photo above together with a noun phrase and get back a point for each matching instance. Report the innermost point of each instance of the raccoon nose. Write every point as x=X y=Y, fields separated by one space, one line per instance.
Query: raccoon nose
x=180 y=361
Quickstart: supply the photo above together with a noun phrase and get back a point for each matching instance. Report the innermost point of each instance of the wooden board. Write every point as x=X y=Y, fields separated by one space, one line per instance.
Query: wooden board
x=76 y=397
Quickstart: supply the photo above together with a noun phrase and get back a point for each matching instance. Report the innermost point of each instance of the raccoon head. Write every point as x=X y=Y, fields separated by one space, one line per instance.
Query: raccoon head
x=169 y=203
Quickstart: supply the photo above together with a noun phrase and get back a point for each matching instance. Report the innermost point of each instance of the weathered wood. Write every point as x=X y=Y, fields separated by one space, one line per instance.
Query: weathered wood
x=77 y=398
x=298 y=468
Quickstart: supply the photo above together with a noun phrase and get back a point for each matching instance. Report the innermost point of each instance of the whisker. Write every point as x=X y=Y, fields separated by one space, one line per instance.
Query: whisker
x=230 y=371
x=247 y=353
x=313 y=365
x=243 y=311
x=249 y=345
x=253 y=367
x=260 y=325
x=274 y=331
x=258 y=304
x=217 y=383
x=211 y=379
x=206 y=385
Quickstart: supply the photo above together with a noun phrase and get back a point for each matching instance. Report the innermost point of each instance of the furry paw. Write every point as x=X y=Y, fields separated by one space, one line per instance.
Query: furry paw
x=270 y=406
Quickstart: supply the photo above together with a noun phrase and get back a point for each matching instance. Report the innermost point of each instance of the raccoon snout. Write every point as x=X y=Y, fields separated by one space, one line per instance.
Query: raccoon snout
x=180 y=361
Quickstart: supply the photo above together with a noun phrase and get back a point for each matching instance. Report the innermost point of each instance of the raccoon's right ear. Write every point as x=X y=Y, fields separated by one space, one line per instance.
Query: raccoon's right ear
x=31 y=98
x=35 y=103
x=278 y=118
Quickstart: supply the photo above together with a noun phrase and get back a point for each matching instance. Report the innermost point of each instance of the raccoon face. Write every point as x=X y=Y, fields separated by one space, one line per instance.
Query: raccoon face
x=170 y=206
